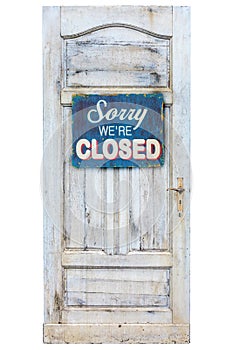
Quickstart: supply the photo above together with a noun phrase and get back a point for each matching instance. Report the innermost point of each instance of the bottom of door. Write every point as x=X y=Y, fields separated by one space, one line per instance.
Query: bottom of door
x=116 y=333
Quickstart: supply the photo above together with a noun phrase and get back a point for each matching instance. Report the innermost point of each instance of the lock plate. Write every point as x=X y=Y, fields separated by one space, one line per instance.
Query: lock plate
x=179 y=194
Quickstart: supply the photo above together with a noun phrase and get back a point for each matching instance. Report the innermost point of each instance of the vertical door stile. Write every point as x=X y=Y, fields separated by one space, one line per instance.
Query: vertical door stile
x=66 y=177
x=161 y=188
x=52 y=165
x=181 y=81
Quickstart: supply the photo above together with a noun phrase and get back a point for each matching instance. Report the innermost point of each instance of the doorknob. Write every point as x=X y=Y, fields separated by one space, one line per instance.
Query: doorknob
x=179 y=191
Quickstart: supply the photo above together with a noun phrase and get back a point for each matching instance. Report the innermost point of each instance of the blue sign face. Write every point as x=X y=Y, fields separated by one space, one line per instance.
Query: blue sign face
x=117 y=131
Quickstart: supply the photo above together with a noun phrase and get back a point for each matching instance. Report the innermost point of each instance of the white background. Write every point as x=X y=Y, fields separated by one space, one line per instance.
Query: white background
x=21 y=250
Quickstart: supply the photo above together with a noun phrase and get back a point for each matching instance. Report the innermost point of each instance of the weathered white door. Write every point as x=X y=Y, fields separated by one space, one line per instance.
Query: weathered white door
x=116 y=242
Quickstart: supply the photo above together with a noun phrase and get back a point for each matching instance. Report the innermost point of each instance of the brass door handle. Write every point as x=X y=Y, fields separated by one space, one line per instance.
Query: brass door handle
x=179 y=190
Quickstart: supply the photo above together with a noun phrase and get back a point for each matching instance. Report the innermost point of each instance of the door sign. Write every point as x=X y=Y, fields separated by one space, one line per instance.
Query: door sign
x=125 y=130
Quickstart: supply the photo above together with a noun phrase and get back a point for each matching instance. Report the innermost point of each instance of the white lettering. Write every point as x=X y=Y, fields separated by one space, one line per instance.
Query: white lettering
x=121 y=130
x=79 y=147
x=95 y=154
x=103 y=130
x=110 y=154
x=138 y=149
x=152 y=143
x=128 y=130
x=139 y=117
x=98 y=111
x=138 y=146
x=125 y=149
x=95 y=115
x=111 y=131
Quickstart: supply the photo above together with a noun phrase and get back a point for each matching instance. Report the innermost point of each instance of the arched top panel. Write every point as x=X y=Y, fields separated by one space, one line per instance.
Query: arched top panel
x=153 y=20
x=117 y=56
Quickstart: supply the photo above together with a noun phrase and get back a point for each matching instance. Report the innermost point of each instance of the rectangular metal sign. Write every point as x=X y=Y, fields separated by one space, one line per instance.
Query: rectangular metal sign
x=125 y=130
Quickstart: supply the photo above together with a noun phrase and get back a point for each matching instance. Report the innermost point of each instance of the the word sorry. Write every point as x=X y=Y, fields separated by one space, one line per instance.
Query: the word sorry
x=96 y=115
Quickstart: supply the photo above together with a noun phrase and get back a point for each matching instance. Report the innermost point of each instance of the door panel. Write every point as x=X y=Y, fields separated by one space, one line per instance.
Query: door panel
x=110 y=209
x=117 y=57
x=116 y=248
x=116 y=287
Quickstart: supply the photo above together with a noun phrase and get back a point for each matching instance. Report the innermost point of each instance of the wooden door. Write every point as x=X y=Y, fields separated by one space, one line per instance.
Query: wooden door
x=116 y=242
